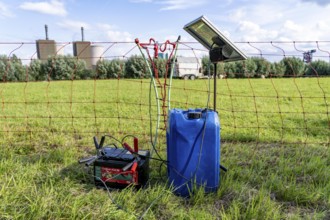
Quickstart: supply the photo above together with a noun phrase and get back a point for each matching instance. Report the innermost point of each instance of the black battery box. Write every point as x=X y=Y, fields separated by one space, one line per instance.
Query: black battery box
x=118 y=168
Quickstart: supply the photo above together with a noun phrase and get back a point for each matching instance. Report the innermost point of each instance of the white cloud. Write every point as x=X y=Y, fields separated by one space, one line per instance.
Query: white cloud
x=291 y=26
x=53 y=7
x=251 y=31
x=258 y=13
x=115 y=36
x=180 y=4
x=290 y=20
x=4 y=11
x=237 y=15
x=323 y=25
x=73 y=25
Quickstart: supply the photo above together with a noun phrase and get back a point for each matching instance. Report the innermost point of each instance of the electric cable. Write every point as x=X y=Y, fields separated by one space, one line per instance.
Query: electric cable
x=172 y=61
x=129 y=135
x=112 y=137
x=150 y=126
x=154 y=142
x=162 y=49
x=200 y=152
x=203 y=133
x=110 y=196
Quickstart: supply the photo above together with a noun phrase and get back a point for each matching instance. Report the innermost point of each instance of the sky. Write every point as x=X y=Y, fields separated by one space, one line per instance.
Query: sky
x=125 y=20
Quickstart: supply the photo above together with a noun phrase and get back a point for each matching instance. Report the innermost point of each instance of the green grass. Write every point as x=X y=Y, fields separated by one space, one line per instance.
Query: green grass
x=275 y=142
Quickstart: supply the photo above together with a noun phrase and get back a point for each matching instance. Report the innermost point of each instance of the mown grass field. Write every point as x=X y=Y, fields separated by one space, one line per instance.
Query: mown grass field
x=275 y=142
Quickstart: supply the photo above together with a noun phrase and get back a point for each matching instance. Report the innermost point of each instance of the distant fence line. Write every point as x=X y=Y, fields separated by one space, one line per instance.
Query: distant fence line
x=276 y=110
x=121 y=60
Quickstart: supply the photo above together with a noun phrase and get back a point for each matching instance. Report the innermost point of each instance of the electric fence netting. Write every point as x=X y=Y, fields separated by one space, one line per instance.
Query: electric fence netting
x=273 y=97
x=276 y=99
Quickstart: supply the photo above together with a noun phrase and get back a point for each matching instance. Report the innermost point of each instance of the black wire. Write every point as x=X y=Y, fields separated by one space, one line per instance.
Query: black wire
x=199 y=157
x=152 y=158
x=113 y=144
x=129 y=135
x=150 y=121
x=151 y=204
x=160 y=158
x=112 y=137
x=160 y=169
x=111 y=198
x=202 y=142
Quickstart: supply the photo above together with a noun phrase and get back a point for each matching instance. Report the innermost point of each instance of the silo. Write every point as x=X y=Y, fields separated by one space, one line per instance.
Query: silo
x=97 y=52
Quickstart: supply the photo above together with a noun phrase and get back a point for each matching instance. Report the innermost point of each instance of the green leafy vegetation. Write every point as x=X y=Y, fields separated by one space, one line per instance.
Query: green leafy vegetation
x=275 y=144
x=70 y=68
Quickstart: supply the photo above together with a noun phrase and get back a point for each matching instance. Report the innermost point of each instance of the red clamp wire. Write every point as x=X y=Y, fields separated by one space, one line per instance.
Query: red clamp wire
x=145 y=46
x=170 y=57
x=161 y=48
x=165 y=46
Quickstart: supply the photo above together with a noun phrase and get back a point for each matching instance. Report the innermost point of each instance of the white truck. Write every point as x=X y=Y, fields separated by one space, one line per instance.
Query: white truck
x=188 y=68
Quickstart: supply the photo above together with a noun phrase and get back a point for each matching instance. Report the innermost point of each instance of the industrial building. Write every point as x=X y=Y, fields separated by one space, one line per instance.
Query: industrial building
x=84 y=50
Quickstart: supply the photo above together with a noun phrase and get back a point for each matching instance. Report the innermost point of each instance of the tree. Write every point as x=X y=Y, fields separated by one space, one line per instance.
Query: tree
x=11 y=68
x=277 y=69
x=318 y=68
x=35 y=70
x=135 y=67
x=294 y=67
x=208 y=68
x=160 y=65
x=107 y=69
x=263 y=66
x=102 y=69
x=116 y=69
x=245 y=68
x=206 y=65
x=230 y=69
x=63 y=68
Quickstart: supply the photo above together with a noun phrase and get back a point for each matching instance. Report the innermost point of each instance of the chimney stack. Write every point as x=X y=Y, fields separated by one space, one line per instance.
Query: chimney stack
x=82 y=34
x=46 y=31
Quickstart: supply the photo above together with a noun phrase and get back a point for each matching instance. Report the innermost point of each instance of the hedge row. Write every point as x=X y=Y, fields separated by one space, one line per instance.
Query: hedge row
x=68 y=67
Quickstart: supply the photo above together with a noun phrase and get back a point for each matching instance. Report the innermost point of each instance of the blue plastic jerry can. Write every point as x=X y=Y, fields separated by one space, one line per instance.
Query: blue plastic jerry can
x=193 y=150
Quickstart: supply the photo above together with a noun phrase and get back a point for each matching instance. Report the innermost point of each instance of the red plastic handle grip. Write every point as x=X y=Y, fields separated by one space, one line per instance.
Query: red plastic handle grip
x=136 y=145
x=127 y=147
x=135 y=164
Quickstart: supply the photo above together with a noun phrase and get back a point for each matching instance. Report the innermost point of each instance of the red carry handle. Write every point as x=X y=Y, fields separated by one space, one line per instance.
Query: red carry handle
x=130 y=149
x=127 y=147
x=136 y=145
x=135 y=164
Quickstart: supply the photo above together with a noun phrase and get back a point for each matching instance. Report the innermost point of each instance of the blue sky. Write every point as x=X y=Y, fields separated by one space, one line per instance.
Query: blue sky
x=125 y=20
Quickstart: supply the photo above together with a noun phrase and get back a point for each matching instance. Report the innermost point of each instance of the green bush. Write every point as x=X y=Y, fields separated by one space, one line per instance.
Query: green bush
x=294 y=67
x=108 y=69
x=136 y=67
x=11 y=69
x=318 y=68
x=69 y=68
